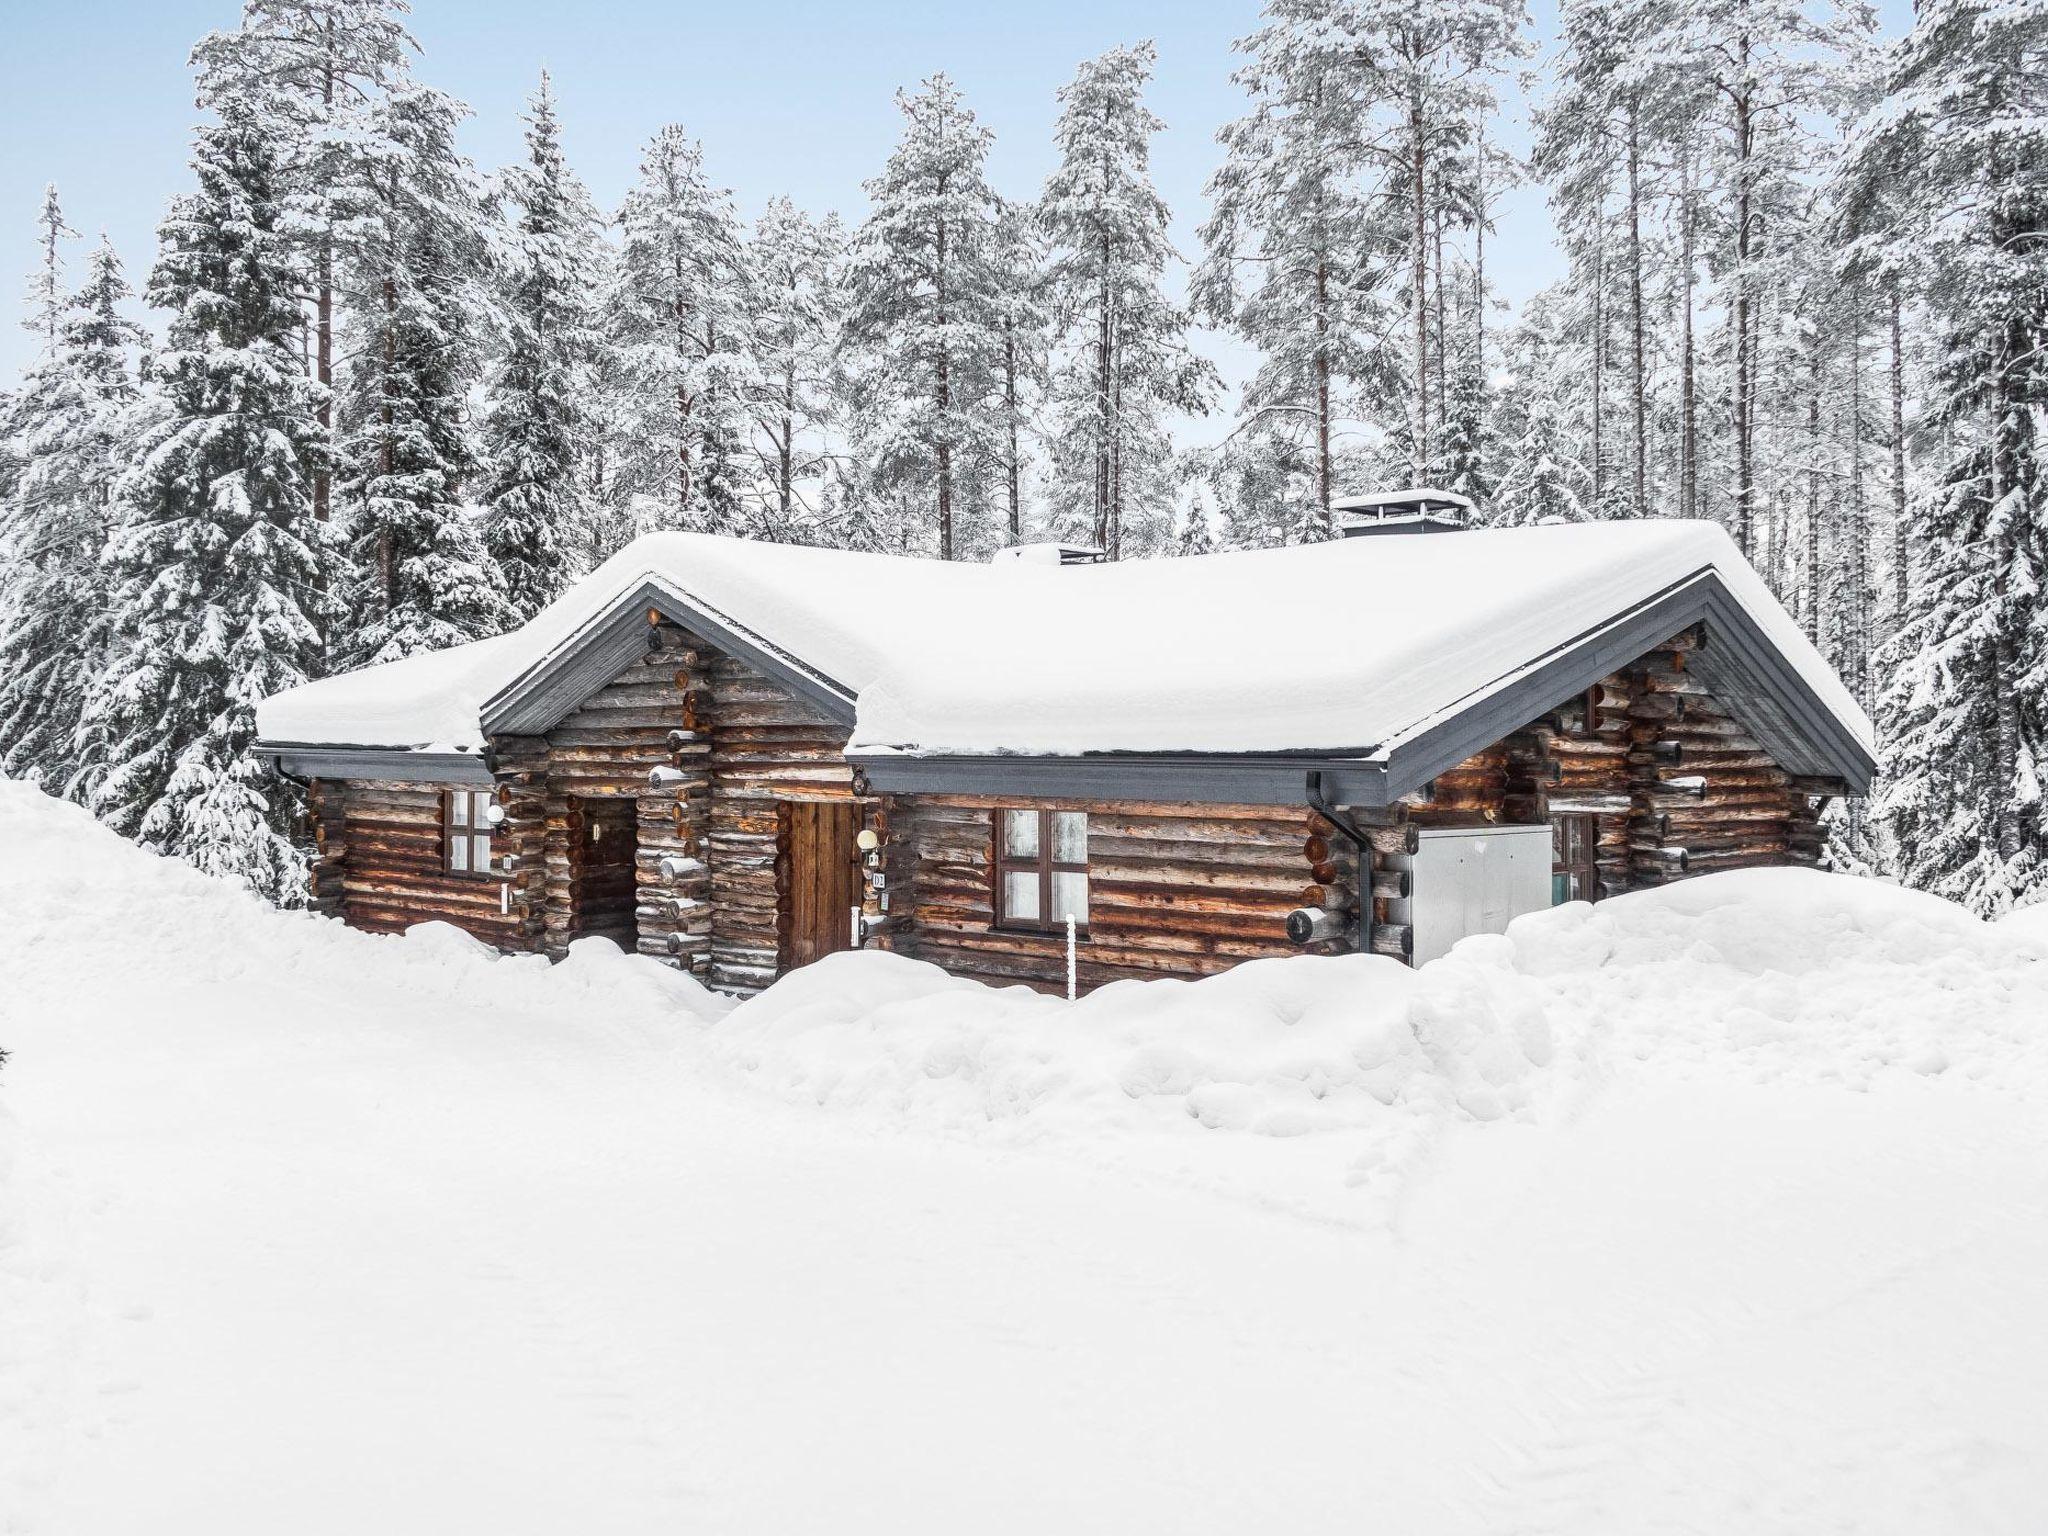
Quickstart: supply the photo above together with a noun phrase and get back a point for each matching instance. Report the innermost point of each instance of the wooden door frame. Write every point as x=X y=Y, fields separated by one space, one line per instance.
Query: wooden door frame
x=785 y=875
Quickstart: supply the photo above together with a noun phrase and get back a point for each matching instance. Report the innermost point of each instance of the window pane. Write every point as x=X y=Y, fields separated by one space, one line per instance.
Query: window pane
x=480 y=811
x=459 y=808
x=458 y=853
x=1069 y=897
x=1020 y=896
x=480 y=856
x=1069 y=837
x=1020 y=834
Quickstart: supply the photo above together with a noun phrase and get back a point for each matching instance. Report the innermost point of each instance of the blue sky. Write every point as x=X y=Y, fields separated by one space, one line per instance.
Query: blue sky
x=793 y=98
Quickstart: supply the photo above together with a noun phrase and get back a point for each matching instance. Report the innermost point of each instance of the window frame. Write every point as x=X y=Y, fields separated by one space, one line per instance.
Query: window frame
x=1586 y=826
x=1043 y=864
x=469 y=832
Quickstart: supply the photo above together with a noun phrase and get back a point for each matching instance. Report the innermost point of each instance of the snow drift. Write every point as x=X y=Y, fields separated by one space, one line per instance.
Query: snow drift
x=1718 y=1208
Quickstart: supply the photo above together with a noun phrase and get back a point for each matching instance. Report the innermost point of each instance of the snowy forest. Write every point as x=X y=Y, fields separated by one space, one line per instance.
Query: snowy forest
x=388 y=400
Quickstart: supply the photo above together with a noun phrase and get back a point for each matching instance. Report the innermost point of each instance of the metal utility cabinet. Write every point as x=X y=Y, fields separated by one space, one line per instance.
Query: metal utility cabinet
x=1475 y=880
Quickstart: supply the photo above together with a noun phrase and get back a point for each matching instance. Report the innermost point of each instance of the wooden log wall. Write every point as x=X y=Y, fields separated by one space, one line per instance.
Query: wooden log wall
x=1706 y=795
x=706 y=749
x=1675 y=784
x=383 y=865
x=610 y=749
x=1179 y=890
x=766 y=745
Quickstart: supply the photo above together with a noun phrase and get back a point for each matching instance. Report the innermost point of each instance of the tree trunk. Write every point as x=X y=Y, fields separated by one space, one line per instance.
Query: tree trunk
x=323 y=302
x=1105 y=535
x=1599 y=380
x=945 y=390
x=1012 y=464
x=1855 y=584
x=1323 y=488
x=1902 y=583
x=1688 y=391
x=1640 y=497
x=1745 y=405
x=1812 y=582
x=1420 y=281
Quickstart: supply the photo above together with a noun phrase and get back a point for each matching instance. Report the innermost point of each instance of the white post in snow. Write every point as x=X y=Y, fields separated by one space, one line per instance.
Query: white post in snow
x=1070 y=957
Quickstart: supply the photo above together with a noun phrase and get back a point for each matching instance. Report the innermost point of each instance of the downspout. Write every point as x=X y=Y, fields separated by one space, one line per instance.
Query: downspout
x=1357 y=839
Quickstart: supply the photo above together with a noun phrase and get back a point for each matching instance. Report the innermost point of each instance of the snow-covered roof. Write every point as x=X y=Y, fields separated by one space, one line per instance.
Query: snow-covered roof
x=1345 y=647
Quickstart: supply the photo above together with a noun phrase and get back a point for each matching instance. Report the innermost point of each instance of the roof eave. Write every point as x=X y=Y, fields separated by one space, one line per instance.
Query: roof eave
x=554 y=687
x=391 y=765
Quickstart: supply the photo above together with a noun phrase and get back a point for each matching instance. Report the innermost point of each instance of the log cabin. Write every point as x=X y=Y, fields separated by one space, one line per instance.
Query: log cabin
x=737 y=757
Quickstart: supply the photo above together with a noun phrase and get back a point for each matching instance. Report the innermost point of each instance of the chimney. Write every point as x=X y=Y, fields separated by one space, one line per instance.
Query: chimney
x=1419 y=509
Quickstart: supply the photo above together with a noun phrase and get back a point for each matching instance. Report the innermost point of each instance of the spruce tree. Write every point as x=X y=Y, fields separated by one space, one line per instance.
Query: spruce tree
x=422 y=303
x=536 y=406
x=68 y=426
x=311 y=72
x=680 y=314
x=1125 y=362
x=215 y=568
x=926 y=330
x=1964 y=125
x=1293 y=264
x=793 y=265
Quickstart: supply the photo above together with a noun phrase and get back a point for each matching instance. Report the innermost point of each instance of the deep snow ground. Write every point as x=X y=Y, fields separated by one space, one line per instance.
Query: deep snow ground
x=1723 y=1210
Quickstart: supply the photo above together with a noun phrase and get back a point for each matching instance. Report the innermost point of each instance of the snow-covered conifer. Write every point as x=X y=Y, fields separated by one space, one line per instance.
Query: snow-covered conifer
x=926 y=325
x=422 y=304
x=1292 y=263
x=1125 y=365
x=1964 y=125
x=680 y=316
x=215 y=568
x=536 y=405
x=68 y=426
x=311 y=73
x=793 y=264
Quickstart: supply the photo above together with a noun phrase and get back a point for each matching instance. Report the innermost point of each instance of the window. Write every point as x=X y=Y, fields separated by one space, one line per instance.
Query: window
x=1041 y=869
x=466 y=830
x=1574 y=859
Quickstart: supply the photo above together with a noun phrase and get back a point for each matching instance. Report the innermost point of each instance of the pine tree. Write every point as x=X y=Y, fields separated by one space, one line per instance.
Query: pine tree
x=1126 y=362
x=1964 y=125
x=1023 y=362
x=312 y=71
x=680 y=315
x=1294 y=264
x=68 y=426
x=1544 y=478
x=216 y=599
x=793 y=263
x=926 y=324
x=537 y=403
x=422 y=303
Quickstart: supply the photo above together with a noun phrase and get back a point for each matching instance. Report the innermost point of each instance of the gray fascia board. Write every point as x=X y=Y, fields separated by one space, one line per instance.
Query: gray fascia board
x=1189 y=778
x=551 y=690
x=1812 y=726
x=1733 y=633
x=391 y=765
x=1478 y=723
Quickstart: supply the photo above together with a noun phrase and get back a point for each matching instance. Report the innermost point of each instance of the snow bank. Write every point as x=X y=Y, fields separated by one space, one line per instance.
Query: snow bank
x=1308 y=1074
x=1720 y=1204
x=79 y=896
x=1755 y=977
x=1137 y=661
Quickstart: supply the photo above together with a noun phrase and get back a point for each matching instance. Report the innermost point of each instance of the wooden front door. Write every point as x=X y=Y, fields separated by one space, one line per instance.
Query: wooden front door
x=603 y=895
x=820 y=884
